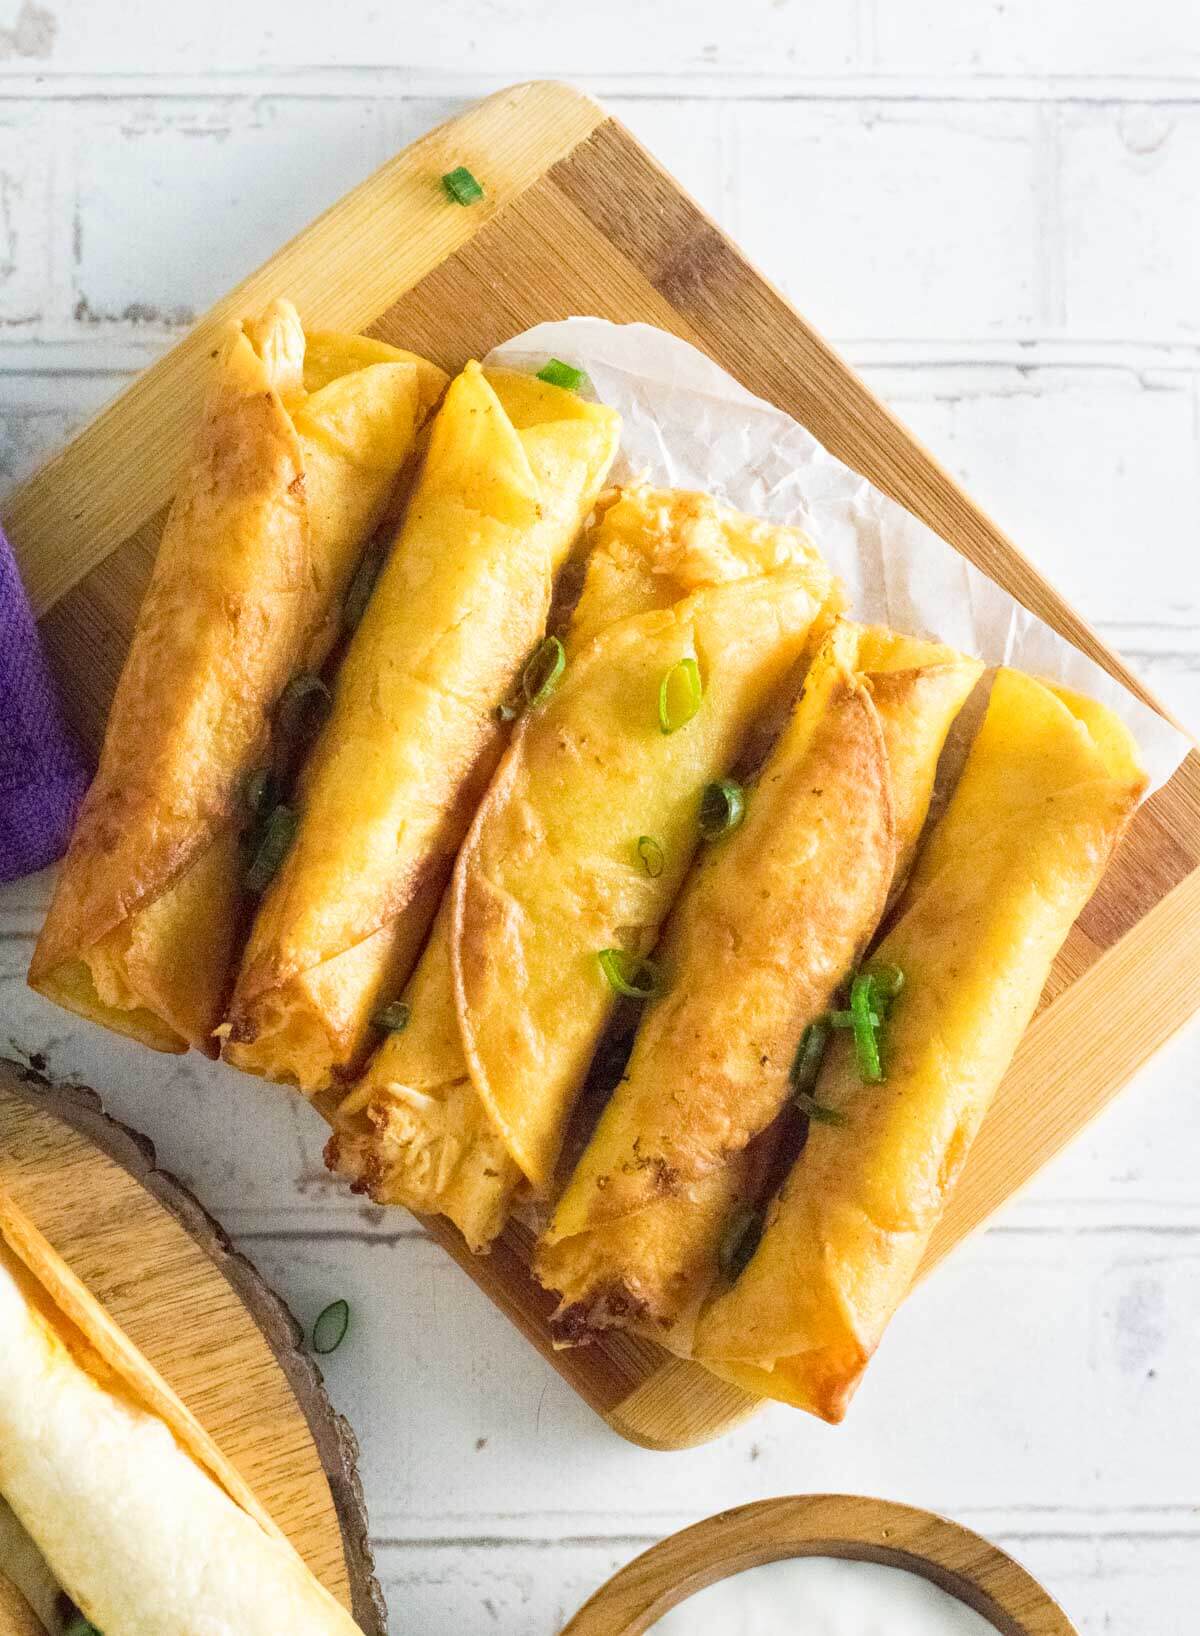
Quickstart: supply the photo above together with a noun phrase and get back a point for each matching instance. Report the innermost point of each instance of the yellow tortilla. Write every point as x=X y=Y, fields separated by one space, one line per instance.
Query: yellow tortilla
x=771 y=921
x=513 y=468
x=508 y=1003
x=292 y=469
x=135 y=1511
x=1048 y=787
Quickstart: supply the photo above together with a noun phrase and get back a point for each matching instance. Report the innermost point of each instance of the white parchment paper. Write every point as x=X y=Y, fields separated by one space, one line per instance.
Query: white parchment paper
x=688 y=424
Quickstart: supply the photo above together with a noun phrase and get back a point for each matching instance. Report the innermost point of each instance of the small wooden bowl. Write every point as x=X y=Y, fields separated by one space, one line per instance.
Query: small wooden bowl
x=840 y=1525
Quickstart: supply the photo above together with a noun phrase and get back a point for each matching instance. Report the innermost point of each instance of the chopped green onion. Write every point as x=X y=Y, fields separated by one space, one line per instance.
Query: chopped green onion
x=654 y=859
x=540 y=676
x=462 y=186
x=739 y=1242
x=393 y=1018
x=722 y=808
x=329 y=1331
x=845 y=1019
x=556 y=373
x=887 y=981
x=817 y=1111
x=80 y=1627
x=303 y=706
x=278 y=831
x=866 y=1041
x=629 y=974
x=359 y=593
x=259 y=792
x=679 y=695
x=810 y=1054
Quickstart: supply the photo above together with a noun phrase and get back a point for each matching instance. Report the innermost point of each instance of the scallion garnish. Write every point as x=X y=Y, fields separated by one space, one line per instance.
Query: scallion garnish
x=303 y=706
x=462 y=186
x=722 y=808
x=329 y=1331
x=629 y=974
x=865 y=1021
x=817 y=1111
x=739 y=1242
x=679 y=695
x=541 y=673
x=810 y=1054
x=361 y=586
x=278 y=831
x=259 y=792
x=393 y=1018
x=80 y=1627
x=654 y=859
x=845 y=1019
x=886 y=983
x=556 y=373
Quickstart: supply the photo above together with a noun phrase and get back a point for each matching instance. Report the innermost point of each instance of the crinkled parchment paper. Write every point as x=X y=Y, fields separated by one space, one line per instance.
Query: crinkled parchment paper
x=688 y=424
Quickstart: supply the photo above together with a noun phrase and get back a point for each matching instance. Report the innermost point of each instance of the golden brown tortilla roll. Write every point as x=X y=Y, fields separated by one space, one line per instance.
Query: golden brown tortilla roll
x=134 y=1510
x=17 y=1618
x=770 y=922
x=1048 y=787
x=508 y=1003
x=294 y=462
x=513 y=468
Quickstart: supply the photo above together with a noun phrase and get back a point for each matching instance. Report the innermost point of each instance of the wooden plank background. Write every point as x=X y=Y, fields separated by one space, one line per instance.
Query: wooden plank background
x=1037 y=326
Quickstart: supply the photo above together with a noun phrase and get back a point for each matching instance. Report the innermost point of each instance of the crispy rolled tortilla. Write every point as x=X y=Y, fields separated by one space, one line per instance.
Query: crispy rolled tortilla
x=298 y=451
x=771 y=920
x=1049 y=785
x=509 y=1001
x=136 y=1513
x=513 y=468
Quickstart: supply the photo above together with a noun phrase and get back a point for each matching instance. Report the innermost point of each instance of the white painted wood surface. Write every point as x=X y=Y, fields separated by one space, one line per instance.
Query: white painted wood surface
x=992 y=209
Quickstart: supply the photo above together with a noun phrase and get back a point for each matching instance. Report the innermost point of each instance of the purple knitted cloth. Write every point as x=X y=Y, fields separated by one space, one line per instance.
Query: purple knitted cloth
x=42 y=774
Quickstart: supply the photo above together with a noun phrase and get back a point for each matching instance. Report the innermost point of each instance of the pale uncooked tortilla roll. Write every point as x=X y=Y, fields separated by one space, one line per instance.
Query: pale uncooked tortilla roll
x=513 y=468
x=770 y=922
x=293 y=466
x=97 y=1464
x=1048 y=787
x=471 y=1099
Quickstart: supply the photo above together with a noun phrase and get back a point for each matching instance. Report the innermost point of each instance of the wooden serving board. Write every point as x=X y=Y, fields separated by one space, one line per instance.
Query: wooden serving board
x=834 y=1525
x=200 y=1313
x=579 y=219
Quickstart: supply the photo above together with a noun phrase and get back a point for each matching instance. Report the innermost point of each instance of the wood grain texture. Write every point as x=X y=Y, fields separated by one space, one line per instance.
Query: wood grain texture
x=580 y=219
x=833 y=1525
x=200 y=1313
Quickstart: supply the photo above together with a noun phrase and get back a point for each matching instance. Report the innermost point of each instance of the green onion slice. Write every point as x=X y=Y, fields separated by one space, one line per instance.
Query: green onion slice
x=541 y=674
x=810 y=1054
x=556 y=373
x=361 y=586
x=394 y=1017
x=462 y=186
x=845 y=1019
x=629 y=974
x=722 y=808
x=654 y=859
x=817 y=1111
x=329 y=1331
x=303 y=706
x=739 y=1242
x=865 y=1022
x=886 y=983
x=259 y=792
x=679 y=695
x=278 y=832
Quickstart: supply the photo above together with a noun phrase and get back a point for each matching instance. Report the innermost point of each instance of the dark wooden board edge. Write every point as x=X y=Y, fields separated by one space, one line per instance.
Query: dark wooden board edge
x=337 y=1447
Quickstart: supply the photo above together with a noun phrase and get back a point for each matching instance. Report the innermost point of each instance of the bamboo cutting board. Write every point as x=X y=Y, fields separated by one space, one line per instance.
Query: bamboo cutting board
x=199 y=1312
x=578 y=218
